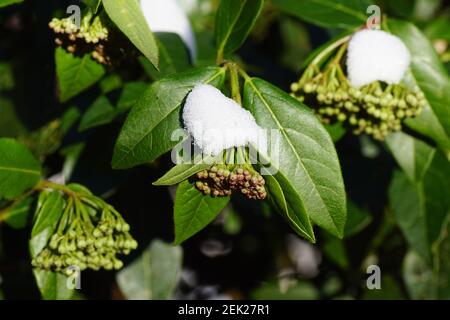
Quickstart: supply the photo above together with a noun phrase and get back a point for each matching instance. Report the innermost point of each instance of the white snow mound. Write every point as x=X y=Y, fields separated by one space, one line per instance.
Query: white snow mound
x=217 y=122
x=376 y=55
x=168 y=16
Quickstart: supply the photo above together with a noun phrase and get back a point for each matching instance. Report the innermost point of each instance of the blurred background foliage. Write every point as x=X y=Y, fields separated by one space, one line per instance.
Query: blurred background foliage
x=248 y=252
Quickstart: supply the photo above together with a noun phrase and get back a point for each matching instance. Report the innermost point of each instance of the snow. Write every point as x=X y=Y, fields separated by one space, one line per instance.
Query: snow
x=376 y=55
x=168 y=16
x=217 y=122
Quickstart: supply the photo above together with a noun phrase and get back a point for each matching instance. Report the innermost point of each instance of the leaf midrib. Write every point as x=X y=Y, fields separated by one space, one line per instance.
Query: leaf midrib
x=22 y=170
x=292 y=147
x=229 y=32
x=342 y=8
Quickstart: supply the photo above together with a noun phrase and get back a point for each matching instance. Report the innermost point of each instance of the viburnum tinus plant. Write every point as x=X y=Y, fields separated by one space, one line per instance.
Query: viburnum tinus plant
x=155 y=112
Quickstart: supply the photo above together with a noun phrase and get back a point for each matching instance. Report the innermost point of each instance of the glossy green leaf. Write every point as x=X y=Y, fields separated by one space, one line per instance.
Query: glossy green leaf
x=421 y=209
x=180 y=173
x=154 y=275
x=413 y=156
x=4 y=3
x=93 y=4
x=335 y=250
x=99 y=113
x=289 y=205
x=336 y=131
x=306 y=154
x=173 y=56
x=10 y=124
x=48 y=212
x=193 y=211
x=128 y=17
x=432 y=78
x=147 y=132
x=110 y=83
x=345 y=14
x=75 y=74
x=52 y=285
x=68 y=119
x=418 y=277
x=438 y=29
x=7 y=78
x=429 y=282
x=234 y=21
x=19 y=169
x=17 y=214
x=357 y=219
x=130 y=95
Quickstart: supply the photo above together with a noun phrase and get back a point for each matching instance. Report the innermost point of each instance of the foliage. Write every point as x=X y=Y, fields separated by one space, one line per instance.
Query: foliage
x=95 y=128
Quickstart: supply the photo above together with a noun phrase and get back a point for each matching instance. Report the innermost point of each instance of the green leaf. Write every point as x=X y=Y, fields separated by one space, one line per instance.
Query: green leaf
x=429 y=282
x=19 y=169
x=4 y=3
x=99 y=113
x=345 y=14
x=147 y=132
x=336 y=131
x=10 y=124
x=421 y=209
x=432 y=78
x=335 y=250
x=154 y=275
x=301 y=290
x=413 y=156
x=357 y=219
x=306 y=154
x=52 y=285
x=18 y=213
x=418 y=277
x=93 y=4
x=128 y=17
x=193 y=211
x=130 y=95
x=48 y=212
x=110 y=83
x=75 y=74
x=234 y=21
x=289 y=205
x=438 y=29
x=102 y=112
x=173 y=56
x=182 y=171
x=69 y=118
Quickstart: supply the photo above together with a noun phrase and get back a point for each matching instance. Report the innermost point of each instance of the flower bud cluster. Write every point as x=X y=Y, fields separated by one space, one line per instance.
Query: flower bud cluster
x=221 y=180
x=375 y=109
x=91 y=36
x=90 y=234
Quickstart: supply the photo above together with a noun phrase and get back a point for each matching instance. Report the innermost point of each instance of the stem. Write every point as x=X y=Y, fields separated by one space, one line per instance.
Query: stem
x=5 y=212
x=219 y=58
x=329 y=50
x=234 y=81
x=45 y=184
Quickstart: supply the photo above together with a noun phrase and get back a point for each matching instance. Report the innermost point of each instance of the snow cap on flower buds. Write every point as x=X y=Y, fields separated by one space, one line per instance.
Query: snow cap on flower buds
x=217 y=122
x=376 y=55
x=168 y=16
